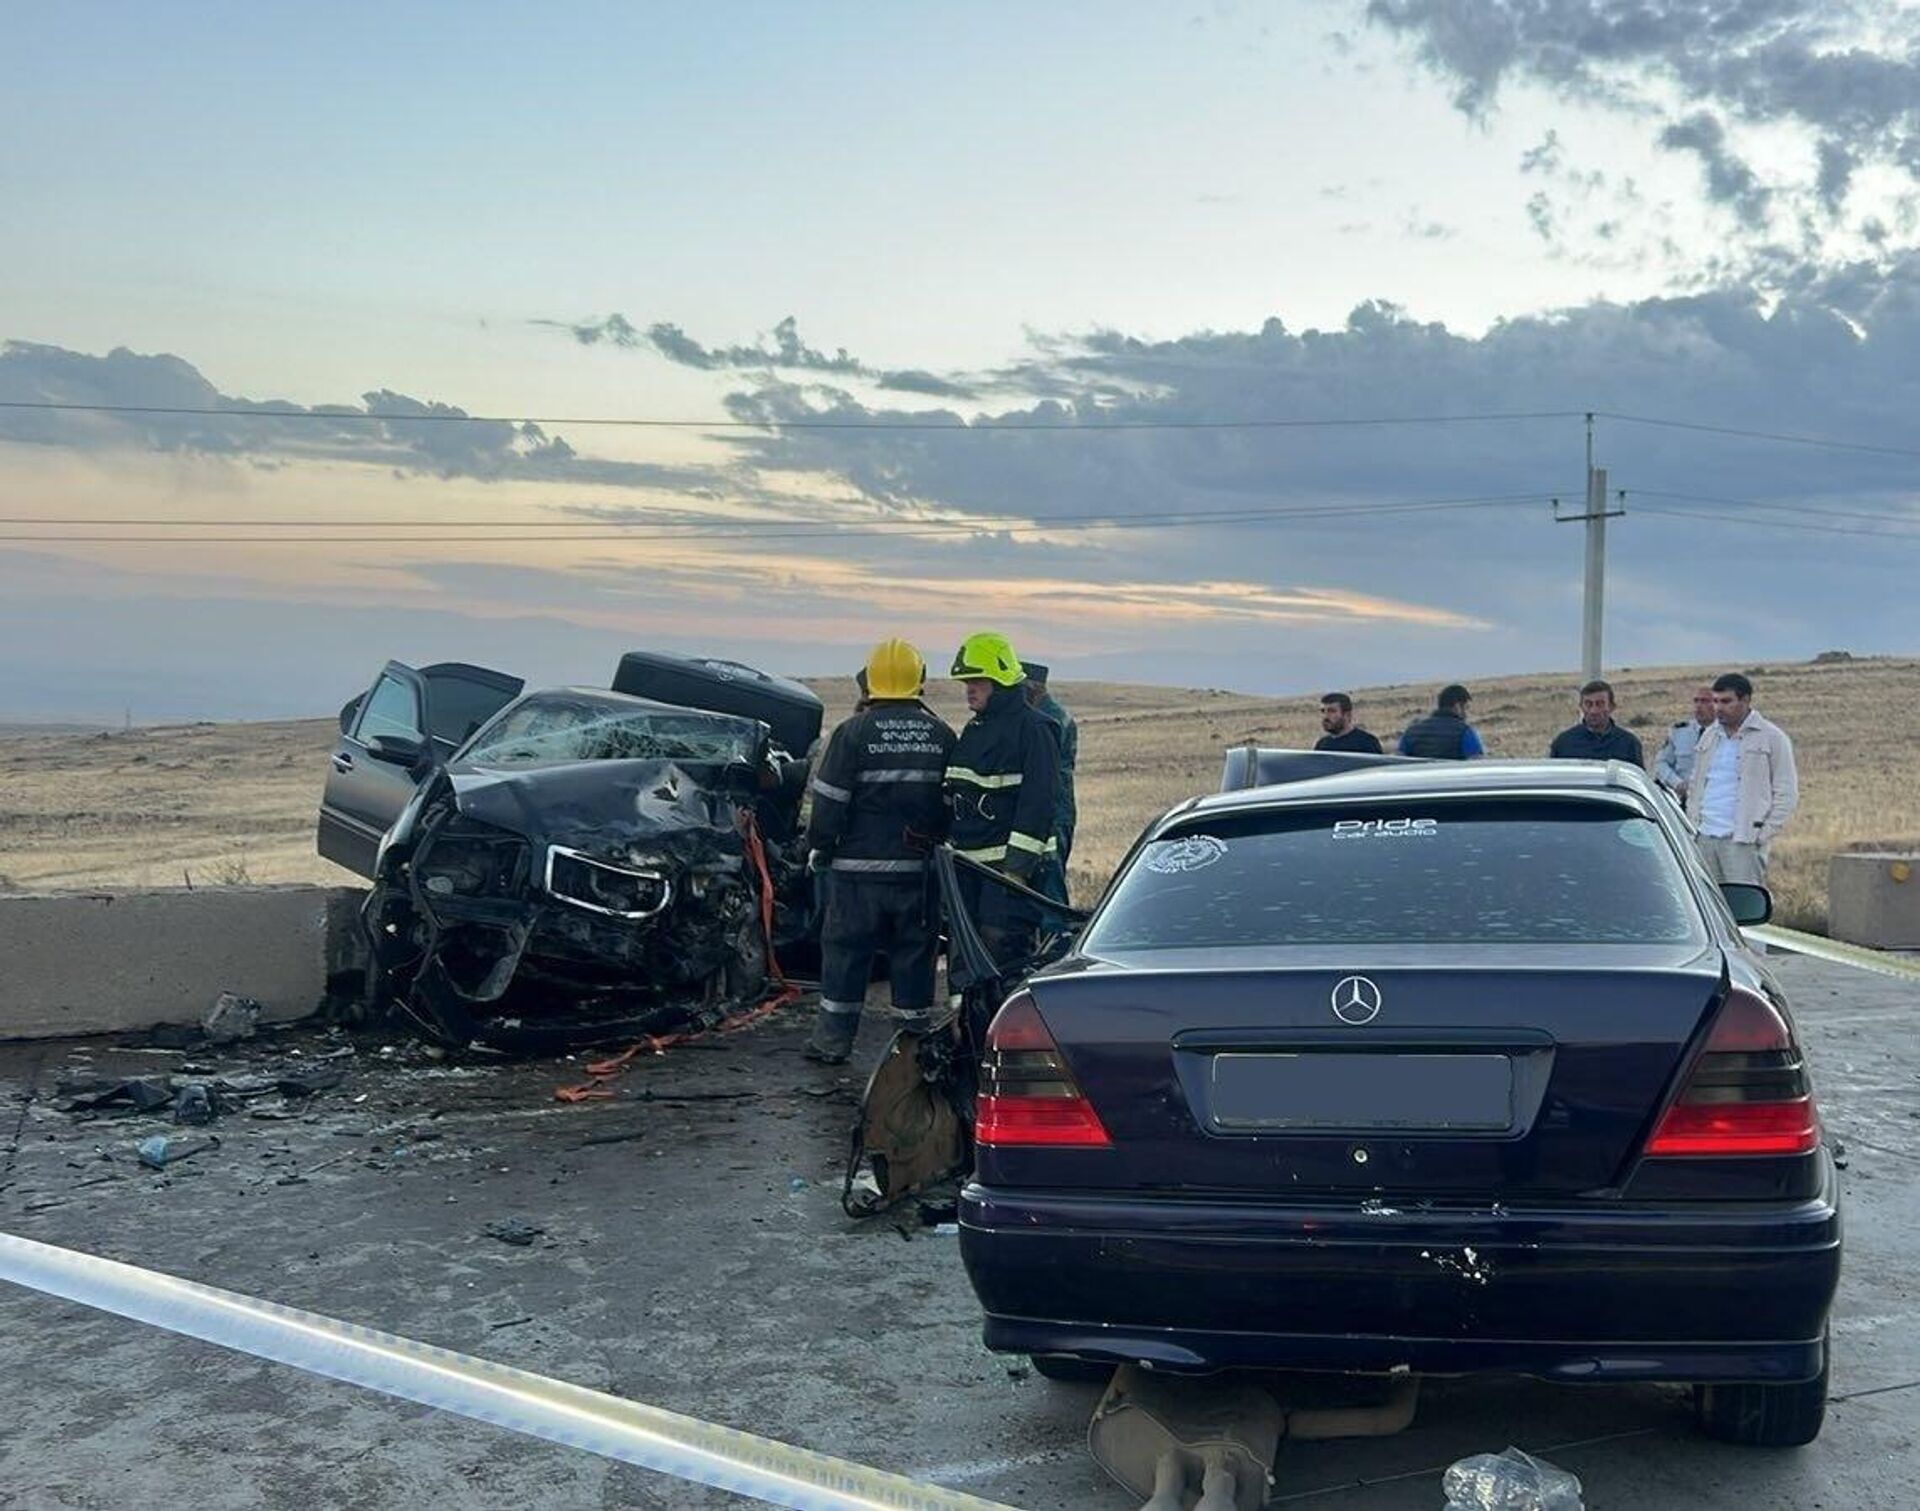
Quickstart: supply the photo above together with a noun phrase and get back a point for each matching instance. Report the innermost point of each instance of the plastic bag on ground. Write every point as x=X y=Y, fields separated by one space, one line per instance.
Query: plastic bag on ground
x=1510 y=1481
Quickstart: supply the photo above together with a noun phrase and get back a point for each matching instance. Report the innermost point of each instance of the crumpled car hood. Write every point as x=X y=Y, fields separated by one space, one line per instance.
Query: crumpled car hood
x=610 y=808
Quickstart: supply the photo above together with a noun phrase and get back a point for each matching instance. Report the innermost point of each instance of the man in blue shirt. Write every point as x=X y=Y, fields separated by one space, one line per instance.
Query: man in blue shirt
x=1596 y=737
x=1673 y=767
x=1444 y=734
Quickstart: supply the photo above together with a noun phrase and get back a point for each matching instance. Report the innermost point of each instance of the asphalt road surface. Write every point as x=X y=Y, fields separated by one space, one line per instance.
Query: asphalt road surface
x=694 y=1256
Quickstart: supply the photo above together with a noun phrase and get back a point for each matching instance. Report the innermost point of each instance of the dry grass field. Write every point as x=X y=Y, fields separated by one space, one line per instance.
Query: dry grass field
x=224 y=804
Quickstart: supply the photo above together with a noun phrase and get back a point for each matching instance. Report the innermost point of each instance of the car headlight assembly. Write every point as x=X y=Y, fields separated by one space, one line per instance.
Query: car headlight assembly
x=603 y=887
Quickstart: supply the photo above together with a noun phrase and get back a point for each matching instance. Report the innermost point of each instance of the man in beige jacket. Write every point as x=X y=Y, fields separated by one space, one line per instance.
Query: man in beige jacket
x=1744 y=786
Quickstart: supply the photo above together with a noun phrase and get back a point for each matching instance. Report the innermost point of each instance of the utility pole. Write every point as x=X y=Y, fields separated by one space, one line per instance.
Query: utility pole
x=1593 y=604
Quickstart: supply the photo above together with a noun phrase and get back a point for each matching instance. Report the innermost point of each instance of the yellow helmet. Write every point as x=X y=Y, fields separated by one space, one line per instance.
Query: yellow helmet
x=895 y=670
x=987 y=655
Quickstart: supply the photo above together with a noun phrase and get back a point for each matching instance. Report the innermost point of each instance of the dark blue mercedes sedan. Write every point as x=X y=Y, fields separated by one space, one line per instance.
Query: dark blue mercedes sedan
x=1421 y=1068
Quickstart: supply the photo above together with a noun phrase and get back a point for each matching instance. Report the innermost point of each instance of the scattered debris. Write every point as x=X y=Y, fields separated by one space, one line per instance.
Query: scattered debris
x=494 y=1327
x=231 y=1019
x=513 y=1230
x=95 y=1093
x=160 y=1151
x=194 y=1105
x=1510 y=1481
x=305 y=1083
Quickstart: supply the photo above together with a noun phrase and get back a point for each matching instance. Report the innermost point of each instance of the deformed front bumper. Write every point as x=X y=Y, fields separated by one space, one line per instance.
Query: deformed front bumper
x=1695 y=1292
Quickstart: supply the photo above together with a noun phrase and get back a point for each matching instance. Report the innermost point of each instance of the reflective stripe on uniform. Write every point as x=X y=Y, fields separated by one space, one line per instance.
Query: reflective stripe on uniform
x=828 y=790
x=1028 y=842
x=901 y=774
x=988 y=853
x=978 y=779
x=880 y=867
x=840 y=1009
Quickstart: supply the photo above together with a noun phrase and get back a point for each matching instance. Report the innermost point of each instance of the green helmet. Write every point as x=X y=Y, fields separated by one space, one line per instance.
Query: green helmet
x=990 y=656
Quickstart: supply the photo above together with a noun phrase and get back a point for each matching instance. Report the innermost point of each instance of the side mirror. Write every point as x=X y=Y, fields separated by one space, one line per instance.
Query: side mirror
x=347 y=711
x=1748 y=904
x=397 y=750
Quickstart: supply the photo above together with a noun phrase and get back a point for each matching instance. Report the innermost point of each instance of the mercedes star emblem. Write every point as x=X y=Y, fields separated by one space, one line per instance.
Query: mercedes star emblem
x=1356 y=1000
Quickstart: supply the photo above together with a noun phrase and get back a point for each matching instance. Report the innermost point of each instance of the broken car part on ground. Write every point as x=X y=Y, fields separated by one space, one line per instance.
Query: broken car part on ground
x=582 y=865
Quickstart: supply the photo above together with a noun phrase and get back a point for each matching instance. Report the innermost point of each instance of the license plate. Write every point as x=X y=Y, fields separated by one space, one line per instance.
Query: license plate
x=1355 y=1091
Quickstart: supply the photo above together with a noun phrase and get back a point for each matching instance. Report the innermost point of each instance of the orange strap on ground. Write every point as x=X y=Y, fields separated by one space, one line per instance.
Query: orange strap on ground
x=599 y=1072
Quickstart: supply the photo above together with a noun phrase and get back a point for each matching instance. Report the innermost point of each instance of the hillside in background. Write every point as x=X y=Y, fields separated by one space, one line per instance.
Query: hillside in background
x=216 y=804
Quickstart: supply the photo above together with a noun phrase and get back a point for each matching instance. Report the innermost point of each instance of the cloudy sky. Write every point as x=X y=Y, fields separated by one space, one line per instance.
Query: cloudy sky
x=1222 y=344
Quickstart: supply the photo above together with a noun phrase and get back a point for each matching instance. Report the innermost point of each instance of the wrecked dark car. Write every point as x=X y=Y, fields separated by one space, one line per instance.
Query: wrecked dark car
x=586 y=866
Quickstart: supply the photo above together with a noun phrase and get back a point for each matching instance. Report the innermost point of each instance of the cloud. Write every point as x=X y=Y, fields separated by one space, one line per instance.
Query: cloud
x=1730 y=181
x=413 y=436
x=786 y=351
x=1117 y=517
x=1844 y=76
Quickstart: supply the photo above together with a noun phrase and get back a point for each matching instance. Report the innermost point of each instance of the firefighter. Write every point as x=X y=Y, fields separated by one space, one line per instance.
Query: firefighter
x=1053 y=871
x=1001 y=785
x=877 y=812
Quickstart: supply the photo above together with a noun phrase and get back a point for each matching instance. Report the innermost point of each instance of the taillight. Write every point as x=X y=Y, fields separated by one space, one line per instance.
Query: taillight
x=1026 y=1094
x=1747 y=1092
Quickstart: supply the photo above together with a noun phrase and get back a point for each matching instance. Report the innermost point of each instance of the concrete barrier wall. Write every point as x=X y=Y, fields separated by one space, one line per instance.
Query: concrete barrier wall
x=1875 y=900
x=101 y=962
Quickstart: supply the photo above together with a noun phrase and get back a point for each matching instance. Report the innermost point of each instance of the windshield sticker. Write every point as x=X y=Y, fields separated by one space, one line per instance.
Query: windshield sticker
x=1386 y=828
x=1194 y=853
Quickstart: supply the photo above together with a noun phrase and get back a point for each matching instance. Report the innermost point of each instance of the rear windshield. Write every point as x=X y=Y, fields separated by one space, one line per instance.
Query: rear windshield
x=1521 y=872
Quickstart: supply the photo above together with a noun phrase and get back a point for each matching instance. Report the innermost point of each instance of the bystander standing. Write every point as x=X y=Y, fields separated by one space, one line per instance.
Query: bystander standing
x=1336 y=718
x=1673 y=767
x=1597 y=737
x=1744 y=786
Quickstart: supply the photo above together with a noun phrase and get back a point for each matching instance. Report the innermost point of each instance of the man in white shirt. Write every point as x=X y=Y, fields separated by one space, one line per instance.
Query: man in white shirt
x=1744 y=785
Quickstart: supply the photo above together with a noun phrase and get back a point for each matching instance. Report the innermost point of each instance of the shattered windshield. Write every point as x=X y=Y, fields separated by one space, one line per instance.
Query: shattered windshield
x=551 y=730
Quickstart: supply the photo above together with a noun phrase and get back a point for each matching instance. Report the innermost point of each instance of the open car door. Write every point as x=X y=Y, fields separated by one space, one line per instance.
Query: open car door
x=391 y=737
x=915 y=1126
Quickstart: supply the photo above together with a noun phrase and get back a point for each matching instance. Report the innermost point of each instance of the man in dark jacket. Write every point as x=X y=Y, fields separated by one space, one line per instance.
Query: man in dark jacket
x=877 y=811
x=1596 y=737
x=1053 y=871
x=1444 y=734
x=1002 y=782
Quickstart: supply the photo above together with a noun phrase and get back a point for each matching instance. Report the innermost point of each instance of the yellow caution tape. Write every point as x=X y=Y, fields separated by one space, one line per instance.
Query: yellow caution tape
x=536 y=1405
x=1881 y=961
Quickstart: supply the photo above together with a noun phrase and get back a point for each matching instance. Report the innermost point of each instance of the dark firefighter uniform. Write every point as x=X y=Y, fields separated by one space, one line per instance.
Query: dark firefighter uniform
x=1052 y=876
x=877 y=811
x=1002 y=781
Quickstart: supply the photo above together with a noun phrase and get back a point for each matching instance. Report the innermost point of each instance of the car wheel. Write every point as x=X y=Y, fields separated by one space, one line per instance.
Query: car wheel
x=1764 y=1416
x=1065 y=1367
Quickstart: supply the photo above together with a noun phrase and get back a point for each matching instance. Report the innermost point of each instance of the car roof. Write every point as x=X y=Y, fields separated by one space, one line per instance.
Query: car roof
x=1425 y=779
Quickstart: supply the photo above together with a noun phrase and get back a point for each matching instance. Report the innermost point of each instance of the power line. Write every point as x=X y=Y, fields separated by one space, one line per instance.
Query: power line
x=698 y=525
x=955 y=426
x=1797 y=509
x=1784 y=437
x=1334 y=512
x=1778 y=524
